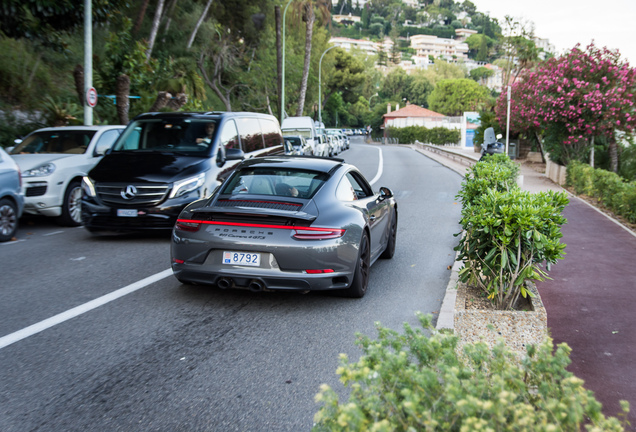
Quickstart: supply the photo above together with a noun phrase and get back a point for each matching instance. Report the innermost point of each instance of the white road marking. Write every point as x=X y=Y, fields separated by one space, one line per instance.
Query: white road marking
x=78 y=259
x=81 y=309
x=11 y=242
x=380 y=168
x=53 y=233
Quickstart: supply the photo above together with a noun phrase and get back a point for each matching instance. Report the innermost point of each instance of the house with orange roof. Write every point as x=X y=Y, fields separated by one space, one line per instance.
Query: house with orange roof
x=414 y=115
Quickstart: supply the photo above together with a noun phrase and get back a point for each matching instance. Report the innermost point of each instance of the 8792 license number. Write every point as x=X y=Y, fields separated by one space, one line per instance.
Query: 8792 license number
x=242 y=258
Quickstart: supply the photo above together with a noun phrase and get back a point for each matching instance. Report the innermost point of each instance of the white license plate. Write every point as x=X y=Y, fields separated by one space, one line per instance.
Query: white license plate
x=126 y=212
x=242 y=258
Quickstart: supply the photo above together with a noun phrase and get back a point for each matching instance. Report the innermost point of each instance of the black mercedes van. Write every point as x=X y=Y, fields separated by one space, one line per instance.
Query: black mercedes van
x=164 y=161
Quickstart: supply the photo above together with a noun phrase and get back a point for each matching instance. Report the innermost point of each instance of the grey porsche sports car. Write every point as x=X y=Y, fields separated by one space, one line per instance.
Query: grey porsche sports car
x=289 y=223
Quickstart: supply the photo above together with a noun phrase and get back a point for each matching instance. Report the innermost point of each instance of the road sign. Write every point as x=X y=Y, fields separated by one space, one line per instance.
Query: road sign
x=91 y=97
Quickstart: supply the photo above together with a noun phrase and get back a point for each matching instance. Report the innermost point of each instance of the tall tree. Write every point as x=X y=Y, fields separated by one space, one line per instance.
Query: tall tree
x=454 y=97
x=155 y=27
x=198 y=24
x=309 y=17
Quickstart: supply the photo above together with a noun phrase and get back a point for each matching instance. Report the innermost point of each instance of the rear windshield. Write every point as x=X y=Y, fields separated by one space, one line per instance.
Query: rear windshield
x=294 y=141
x=302 y=132
x=59 y=141
x=275 y=182
x=191 y=136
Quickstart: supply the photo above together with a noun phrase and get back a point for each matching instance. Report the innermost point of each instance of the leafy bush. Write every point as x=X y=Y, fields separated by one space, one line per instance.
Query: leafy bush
x=612 y=191
x=507 y=233
x=413 y=381
x=436 y=135
x=507 y=237
x=496 y=172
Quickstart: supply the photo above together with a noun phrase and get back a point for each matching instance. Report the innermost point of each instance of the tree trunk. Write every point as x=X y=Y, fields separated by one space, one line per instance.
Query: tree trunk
x=162 y=100
x=177 y=102
x=78 y=77
x=212 y=83
x=279 y=57
x=311 y=18
x=592 y=151
x=613 y=153
x=140 y=16
x=155 y=28
x=35 y=68
x=122 y=91
x=540 y=144
x=199 y=22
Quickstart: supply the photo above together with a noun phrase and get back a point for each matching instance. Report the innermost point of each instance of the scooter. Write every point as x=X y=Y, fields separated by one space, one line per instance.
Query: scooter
x=491 y=146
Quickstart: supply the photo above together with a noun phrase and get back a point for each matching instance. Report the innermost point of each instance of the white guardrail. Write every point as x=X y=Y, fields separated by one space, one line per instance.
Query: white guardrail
x=453 y=153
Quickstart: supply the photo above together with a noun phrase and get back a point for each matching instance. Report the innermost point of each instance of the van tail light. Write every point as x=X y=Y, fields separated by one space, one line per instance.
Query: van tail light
x=189 y=226
x=317 y=233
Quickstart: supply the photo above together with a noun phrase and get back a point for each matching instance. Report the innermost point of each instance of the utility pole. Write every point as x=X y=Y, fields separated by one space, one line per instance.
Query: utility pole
x=88 y=59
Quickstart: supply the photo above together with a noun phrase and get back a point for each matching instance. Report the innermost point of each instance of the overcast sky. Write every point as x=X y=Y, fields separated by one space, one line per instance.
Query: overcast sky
x=611 y=23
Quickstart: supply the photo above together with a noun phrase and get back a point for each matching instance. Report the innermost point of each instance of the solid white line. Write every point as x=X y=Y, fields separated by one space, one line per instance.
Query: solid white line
x=380 y=168
x=79 y=310
x=52 y=233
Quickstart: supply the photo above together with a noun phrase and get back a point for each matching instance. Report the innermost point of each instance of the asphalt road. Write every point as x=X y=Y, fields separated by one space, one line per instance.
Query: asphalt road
x=172 y=357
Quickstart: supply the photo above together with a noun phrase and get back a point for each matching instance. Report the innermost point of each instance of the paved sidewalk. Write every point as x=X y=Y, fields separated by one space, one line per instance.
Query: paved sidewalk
x=591 y=296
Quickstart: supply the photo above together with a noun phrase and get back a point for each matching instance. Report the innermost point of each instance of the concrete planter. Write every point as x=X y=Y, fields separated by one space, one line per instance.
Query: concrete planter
x=517 y=328
x=555 y=172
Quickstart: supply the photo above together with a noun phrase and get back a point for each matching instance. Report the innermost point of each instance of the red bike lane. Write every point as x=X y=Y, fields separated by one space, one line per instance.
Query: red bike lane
x=590 y=305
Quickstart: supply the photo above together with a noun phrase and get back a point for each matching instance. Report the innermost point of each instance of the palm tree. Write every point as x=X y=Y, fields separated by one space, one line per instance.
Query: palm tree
x=309 y=17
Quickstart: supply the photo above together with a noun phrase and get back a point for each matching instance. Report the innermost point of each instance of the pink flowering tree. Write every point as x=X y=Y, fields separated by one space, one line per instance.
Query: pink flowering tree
x=575 y=98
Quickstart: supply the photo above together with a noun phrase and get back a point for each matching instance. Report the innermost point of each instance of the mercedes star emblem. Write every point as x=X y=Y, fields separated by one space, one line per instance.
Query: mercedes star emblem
x=128 y=192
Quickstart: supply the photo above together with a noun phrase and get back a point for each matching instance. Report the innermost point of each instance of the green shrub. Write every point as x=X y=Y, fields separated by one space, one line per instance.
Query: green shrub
x=416 y=382
x=609 y=188
x=436 y=135
x=507 y=237
x=496 y=172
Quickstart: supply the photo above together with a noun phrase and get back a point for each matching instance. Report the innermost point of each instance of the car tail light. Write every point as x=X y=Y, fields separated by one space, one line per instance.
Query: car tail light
x=190 y=226
x=317 y=233
x=178 y=261
x=319 y=271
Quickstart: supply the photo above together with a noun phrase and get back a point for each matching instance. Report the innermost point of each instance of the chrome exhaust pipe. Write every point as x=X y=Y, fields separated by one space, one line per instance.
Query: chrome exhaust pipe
x=256 y=286
x=224 y=283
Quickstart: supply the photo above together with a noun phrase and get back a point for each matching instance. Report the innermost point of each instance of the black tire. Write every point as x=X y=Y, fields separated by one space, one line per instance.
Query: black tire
x=390 y=245
x=72 y=205
x=8 y=219
x=360 y=282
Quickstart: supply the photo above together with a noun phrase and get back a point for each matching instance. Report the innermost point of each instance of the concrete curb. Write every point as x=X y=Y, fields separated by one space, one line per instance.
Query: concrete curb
x=446 y=317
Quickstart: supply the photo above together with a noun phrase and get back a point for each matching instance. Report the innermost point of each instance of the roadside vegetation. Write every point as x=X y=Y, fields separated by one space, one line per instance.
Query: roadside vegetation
x=208 y=55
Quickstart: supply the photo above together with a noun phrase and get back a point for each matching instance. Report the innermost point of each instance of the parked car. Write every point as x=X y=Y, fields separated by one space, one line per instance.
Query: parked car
x=297 y=146
x=11 y=196
x=337 y=139
x=53 y=162
x=287 y=223
x=164 y=161
x=305 y=127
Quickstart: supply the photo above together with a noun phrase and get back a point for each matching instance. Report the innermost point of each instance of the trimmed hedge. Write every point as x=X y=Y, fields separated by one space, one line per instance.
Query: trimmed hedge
x=436 y=135
x=609 y=188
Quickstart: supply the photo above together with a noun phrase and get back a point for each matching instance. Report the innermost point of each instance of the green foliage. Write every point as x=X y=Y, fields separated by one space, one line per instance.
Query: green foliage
x=23 y=77
x=488 y=119
x=481 y=73
x=611 y=190
x=497 y=172
x=416 y=381
x=436 y=135
x=507 y=233
x=453 y=97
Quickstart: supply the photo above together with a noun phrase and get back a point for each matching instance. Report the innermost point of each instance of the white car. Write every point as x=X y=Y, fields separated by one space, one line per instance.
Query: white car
x=11 y=197
x=53 y=162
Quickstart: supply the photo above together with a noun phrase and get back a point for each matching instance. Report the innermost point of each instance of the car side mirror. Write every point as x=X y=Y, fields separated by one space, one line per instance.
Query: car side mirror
x=234 y=154
x=385 y=193
x=499 y=136
x=102 y=149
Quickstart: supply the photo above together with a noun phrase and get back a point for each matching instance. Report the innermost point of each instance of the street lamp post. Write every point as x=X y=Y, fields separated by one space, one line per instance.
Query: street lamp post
x=282 y=87
x=320 y=84
x=508 y=122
